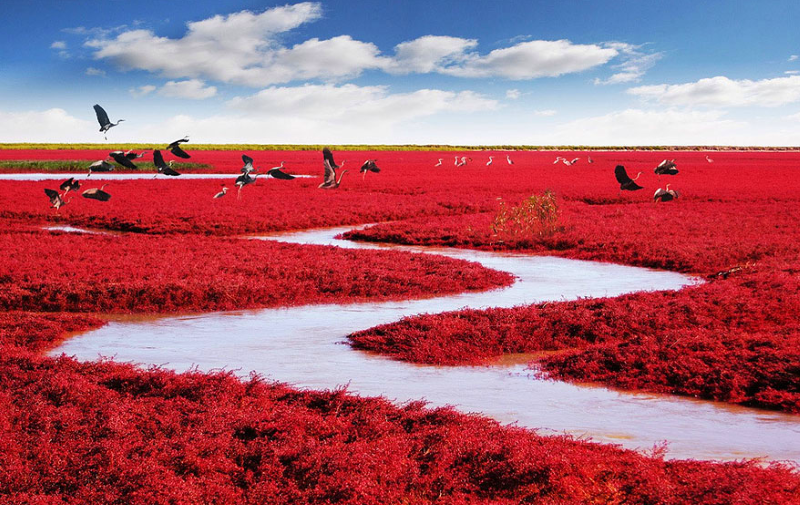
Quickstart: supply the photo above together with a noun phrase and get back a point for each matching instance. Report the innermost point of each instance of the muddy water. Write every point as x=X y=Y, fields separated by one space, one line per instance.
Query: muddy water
x=304 y=346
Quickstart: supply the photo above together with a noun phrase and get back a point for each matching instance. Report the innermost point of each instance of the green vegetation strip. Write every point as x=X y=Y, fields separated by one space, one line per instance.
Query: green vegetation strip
x=82 y=165
x=368 y=147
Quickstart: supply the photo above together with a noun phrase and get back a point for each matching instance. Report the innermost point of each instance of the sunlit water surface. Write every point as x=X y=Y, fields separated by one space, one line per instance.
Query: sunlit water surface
x=304 y=346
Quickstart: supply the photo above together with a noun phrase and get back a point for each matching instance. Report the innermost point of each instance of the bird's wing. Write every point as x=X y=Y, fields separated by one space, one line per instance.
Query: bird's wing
x=51 y=193
x=330 y=173
x=278 y=174
x=131 y=156
x=66 y=184
x=122 y=160
x=158 y=160
x=248 y=162
x=102 y=117
x=327 y=155
x=180 y=153
x=621 y=174
x=102 y=196
x=169 y=171
x=658 y=193
x=178 y=142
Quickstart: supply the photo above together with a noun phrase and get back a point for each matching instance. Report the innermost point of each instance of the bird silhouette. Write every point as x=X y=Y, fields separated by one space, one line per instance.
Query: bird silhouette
x=97 y=194
x=625 y=182
x=665 y=195
x=369 y=166
x=123 y=160
x=102 y=118
x=666 y=167
x=55 y=199
x=175 y=148
x=162 y=167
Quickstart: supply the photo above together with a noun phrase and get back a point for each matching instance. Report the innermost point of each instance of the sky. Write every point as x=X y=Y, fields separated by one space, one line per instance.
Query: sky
x=466 y=72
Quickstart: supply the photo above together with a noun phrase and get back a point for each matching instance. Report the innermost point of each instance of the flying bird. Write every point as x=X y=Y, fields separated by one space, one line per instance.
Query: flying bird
x=277 y=173
x=162 y=167
x=490 y=161
x=55 y=199
x=175 y=148
x=369 y=166
x=248 y=164
x=100 y=166
x=329 y=178
x=132 y=155
x=665 y=195
x=666 y=167
x=102 y=118
x=508 y=159
x=97 y=194
x=221 y=193
x=625 y=182
x=70 y=185
x=438 y=164
x=243 y=180
x=123 y=160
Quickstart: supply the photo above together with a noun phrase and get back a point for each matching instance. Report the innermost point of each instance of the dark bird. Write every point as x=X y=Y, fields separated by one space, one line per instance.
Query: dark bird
x=665 y=195
x=102 y=118
x=277 y=173
x=329 y=178
x=97 y=194
x=123 y=160
x=221 y=193
x=666 y=167
x=243 y=180
x=55 y=199
x=175 y=148
x=369 y=166
x=101 y=166
x=625 y=182
x=132 y=155
x=70 y=185
x=248 y=164
x=162 y=167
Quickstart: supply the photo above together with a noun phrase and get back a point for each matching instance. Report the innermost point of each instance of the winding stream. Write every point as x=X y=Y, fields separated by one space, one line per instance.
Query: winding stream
x=303 y=346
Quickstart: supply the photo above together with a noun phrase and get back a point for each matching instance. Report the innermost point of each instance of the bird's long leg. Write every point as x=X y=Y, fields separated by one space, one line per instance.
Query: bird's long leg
x=239 y=193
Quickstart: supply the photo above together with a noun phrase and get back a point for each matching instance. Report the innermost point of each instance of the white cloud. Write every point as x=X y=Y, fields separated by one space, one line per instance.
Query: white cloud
x=513 y=94
x=245 y=48
x=193 y=89
x=793 y=57
x=95 y=71
x=721 y=91
x=792 y=72
x=529 y=60
x=651 y=127
x=361 y=104
x=142 y=90
x=58 y=44
x=545 y=112
x=633 y=66
x=52 y=125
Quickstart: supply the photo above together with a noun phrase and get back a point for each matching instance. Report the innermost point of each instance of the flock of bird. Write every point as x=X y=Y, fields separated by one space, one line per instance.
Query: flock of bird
x=330 y=181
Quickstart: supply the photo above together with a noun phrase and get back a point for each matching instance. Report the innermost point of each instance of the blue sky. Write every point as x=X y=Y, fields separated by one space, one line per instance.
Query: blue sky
x=459 y=72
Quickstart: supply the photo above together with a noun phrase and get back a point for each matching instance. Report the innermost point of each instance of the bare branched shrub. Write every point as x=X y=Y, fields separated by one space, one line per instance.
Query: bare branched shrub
x=535 y=217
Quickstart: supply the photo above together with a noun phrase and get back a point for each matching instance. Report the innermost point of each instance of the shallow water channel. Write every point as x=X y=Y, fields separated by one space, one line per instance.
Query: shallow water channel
x=304 y=346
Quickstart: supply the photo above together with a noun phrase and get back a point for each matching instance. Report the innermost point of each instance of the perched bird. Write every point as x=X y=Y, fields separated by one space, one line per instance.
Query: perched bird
x=69 y=185
x=369 y=166
x=55 y=199
x=248 y=164
x=162 y=167
x=175 y=148
x=97 y=194
x=277 y=173
x=120 y=158
x=589 y=159
x=221 y=193
x=666 y=167
x=490 y=161
x=438 y=164
x=102 y=118
x=665 y=195
x=558 y=158
x=508 y=159
x=101 y=166
x=568 y=162
x=709 y=159
x=329 y=178
x=132 y=155
x=625 y=182
x=456 y=161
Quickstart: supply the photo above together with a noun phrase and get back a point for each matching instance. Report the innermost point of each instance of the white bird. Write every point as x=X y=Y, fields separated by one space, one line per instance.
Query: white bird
x=508 y=159
x=456 y=161
x=559 y=158
x=665 y=195
x=221 y=193
x=589 y=159
x=438 y=164
x=709 y=159
x=490 y=161
x=570 y=163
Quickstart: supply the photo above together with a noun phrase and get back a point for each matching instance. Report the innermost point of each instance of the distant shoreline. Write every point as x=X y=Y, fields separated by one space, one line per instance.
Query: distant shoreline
x=379 y=147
